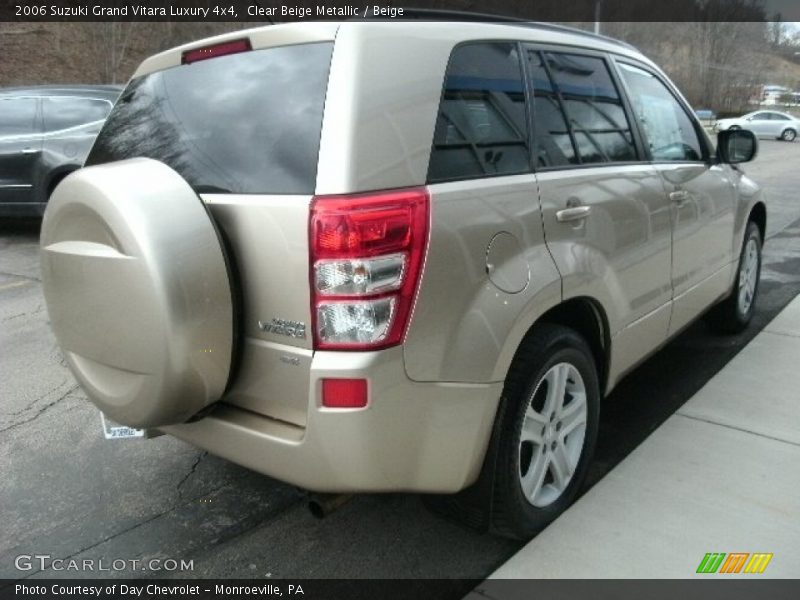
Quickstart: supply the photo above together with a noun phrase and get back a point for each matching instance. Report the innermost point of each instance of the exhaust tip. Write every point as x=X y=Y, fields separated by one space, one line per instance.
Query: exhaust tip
x=316 y=509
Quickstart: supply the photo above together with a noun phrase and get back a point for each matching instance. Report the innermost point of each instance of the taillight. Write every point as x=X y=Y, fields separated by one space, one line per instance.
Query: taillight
x=367 y=252
x=222 y=49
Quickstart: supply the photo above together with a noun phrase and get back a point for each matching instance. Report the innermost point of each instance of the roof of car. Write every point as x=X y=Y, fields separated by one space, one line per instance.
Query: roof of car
x=100 y=91
x=470 y=26
x=425 y=14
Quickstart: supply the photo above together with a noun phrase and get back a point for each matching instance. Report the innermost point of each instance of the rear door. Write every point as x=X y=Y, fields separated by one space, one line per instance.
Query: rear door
x=605 y=214
x=779 y=123
x=71 y=124
x=761 y=123
x=701 y=193
x=20 y=148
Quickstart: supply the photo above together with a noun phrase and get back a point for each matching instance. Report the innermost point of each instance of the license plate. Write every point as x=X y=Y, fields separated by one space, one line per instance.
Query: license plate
x=115 y=431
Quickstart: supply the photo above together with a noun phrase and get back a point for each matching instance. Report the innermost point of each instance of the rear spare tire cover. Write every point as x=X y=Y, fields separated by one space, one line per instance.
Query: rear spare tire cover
x=138 y=291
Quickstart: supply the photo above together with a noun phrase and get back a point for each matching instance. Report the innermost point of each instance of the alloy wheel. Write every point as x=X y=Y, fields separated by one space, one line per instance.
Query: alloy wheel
x=552 y=435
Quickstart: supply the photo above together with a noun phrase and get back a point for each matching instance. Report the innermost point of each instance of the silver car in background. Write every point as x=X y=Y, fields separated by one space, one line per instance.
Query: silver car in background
x=764 y=123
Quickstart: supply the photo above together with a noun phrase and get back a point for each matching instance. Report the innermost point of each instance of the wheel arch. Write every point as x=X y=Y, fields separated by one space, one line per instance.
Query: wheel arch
x=56 y=176
x=586 y=316
x=758 y=214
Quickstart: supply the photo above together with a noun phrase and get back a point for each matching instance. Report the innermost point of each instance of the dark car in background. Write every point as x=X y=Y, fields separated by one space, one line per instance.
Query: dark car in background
x=46 y=132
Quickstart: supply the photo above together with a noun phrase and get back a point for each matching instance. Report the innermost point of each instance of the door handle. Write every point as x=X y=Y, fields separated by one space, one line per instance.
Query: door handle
x=679 y=197
x=28 y=151
x=573 y=214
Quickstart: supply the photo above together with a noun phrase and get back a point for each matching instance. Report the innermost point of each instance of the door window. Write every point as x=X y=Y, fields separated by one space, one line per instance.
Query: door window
x=66 y=112
x=553 y=140
x=482 y=126
x=17 y=116
x=667 y=128
x=594 y=110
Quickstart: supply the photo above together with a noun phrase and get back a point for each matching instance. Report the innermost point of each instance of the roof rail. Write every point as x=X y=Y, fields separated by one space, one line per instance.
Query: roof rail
x=432 y=14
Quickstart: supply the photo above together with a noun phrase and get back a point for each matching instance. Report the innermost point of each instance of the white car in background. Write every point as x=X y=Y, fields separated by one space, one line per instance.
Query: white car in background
x=764 y=123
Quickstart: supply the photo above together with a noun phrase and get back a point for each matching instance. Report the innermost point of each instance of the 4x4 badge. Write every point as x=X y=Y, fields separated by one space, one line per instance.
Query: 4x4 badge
x=295 y=329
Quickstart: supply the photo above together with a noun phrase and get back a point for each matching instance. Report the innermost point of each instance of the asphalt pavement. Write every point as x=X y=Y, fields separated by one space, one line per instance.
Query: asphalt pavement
x=68 y=493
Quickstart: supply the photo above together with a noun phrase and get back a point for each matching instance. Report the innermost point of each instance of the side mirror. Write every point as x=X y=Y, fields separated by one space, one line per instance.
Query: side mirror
x=736 y=146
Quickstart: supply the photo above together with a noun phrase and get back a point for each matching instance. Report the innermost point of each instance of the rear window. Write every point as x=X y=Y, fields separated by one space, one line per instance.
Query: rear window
x=247 y=123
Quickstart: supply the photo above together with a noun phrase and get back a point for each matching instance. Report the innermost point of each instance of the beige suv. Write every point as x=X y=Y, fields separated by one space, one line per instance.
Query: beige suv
x=407 y=256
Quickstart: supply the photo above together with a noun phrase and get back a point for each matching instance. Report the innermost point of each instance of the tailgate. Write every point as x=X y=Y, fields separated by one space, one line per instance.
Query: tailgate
x=242 y=126
x=268 y=243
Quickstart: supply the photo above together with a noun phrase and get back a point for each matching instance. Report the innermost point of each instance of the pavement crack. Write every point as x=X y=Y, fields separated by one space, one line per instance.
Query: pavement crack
x=481 y=592
x=104 y=540
x=783 y=333
x=41 y=409
x=21 y=276
x=249 y=524
x=29 y=313
x=192 y=469
x=735 y=428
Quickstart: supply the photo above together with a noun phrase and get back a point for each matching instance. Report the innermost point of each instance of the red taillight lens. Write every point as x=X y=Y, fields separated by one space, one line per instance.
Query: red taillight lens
x=223 y=49
x=367 y=252
x=344 y=393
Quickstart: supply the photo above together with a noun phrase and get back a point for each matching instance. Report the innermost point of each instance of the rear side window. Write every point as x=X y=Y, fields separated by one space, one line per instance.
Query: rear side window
x=594 y=110
x=667 y=128
x=248 y=123
x=17 y=116
x=64 y=113
x=482 y=125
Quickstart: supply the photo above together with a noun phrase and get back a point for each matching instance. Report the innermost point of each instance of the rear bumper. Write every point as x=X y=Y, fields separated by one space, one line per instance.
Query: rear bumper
x=423 y=437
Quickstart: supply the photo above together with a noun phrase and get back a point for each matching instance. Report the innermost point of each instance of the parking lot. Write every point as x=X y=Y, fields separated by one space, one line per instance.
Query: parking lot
x=68 y=493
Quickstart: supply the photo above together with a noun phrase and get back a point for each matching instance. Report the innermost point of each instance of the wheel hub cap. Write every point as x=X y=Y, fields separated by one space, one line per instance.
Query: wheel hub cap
x=748 y=276
x=552 y=436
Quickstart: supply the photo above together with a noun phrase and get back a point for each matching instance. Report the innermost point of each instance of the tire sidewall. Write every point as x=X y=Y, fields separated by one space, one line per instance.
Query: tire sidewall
x=526 y=518
x=790 y=132
x=751 y=233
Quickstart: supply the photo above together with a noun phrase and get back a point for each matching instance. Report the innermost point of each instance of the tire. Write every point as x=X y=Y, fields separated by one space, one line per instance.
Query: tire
x=733 y=314
x=788 y=135
x=530 y=489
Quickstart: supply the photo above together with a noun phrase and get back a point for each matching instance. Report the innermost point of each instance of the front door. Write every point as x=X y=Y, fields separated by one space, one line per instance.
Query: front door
x=701 y=193
x=606 y=217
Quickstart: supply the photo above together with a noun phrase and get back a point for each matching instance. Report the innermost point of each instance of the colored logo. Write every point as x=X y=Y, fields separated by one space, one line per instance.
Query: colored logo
x=735 y=562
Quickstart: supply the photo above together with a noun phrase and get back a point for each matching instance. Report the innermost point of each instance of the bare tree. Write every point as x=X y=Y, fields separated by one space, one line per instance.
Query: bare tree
x=110 y=43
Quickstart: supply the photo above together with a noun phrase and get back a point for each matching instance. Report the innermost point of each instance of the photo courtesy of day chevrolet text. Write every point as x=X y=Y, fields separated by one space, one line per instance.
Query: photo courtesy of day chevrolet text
x=153 y=590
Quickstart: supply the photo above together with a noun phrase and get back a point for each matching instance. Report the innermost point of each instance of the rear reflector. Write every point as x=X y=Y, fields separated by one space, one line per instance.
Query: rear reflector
x=344 y=393
x=223 y=49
